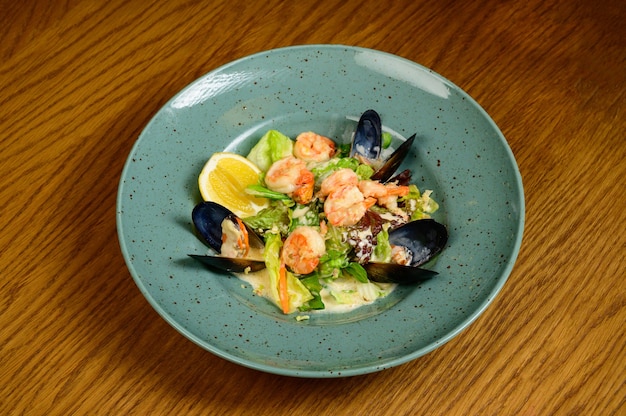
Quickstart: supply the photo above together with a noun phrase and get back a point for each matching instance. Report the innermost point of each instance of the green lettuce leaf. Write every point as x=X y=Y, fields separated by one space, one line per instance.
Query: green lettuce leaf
x=336 y=256
x=419 y=205
x=382 y=249
x=364 y=172
x=323 y=170
x=331 y=264
x=271 y=147
x=306 y=215
x=357 y=271
x=275 y=218
x=386 y=139
x=312 y=283
x=263 y=192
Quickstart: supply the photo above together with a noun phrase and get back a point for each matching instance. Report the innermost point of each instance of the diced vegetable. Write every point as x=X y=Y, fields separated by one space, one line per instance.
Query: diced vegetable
x=419 y=205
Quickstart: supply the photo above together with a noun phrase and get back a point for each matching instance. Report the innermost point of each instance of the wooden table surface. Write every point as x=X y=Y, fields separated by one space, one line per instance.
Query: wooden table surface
x=80 y=80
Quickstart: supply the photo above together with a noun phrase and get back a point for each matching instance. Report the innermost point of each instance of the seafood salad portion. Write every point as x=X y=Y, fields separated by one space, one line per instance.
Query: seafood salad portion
x=338 y=227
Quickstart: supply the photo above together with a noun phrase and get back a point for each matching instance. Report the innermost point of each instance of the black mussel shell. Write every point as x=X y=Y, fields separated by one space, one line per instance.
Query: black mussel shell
x=396 y=273
x=367 y=140
x=208 y=216
x=425 y=239
x=390 y=166
x=228 y=264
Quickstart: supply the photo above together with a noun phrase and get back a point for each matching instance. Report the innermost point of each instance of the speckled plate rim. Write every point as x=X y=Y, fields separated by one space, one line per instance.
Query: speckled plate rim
x=326 y=373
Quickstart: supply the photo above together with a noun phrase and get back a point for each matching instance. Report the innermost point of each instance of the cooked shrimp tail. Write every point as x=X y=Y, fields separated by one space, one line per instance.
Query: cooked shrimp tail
x=290 y=176
x=311 y=147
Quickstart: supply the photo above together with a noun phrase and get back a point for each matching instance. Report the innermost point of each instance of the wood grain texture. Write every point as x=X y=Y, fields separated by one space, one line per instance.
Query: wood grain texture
x=80 y=79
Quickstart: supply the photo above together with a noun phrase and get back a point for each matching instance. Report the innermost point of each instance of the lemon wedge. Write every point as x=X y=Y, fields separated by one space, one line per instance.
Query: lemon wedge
x=224 y=178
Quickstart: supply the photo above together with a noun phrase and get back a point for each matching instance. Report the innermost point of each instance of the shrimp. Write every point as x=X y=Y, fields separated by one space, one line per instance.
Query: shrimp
x=386 y=194
x=302 y=250
x=336 y=180
x=290 y=176
x=381 y=190
x=372 y=188
x=346 y=205
x=312 y=147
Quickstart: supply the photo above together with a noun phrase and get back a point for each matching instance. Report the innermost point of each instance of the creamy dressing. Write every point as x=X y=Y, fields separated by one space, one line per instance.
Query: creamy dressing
x=231 y=235
x=352 y=293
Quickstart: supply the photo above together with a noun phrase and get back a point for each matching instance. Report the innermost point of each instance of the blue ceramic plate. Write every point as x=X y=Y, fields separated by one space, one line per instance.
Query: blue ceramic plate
x=459 y=153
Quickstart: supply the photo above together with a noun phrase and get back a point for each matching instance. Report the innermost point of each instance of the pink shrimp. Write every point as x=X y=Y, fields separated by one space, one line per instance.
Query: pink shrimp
x=337 y=179
x=381 y=190
x=290 y=176
x=386 y=194
x=302 y=250
x=312 y=147
x=346 y=205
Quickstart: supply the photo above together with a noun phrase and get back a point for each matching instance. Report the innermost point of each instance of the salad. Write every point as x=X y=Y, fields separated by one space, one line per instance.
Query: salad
x=325 y=220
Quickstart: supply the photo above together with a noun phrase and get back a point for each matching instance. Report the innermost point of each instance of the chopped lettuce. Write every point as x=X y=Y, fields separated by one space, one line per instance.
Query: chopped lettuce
x=325 y=169
x=386 y=139
x=364 y=171
x=343 y=150
x=271 y=255
x=299 y=295
x=347 y=291
x=305 y=215
x=419 y=205
x=357 y=271
x=312 y=283
x=429 y=205
x=275 y=218
x=345 y=297
x=331 y=264
x=335 y=262
x=382 y=249
x=271 y=147
x=336 y=256
x=370 y=291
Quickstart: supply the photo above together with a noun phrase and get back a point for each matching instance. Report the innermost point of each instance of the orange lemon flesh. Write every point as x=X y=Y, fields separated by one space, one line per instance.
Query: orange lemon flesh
x=224 y=179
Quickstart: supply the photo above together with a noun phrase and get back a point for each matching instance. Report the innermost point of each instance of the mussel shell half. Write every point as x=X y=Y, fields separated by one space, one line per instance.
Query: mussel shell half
x=367 y=140
x=424 y=238
x=396 y=273
x=229 y=264
x=390 y=166
x=208 y=216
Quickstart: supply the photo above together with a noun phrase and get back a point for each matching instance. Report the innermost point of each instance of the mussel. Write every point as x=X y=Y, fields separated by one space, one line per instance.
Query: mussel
x=367 y=140
x=423 y=239
x=208 y=218
x=367 y=146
